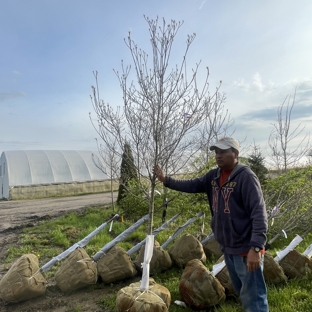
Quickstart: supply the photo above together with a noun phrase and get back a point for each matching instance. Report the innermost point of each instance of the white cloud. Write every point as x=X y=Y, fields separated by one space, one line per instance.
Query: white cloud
x=257 y=83
x=253 y=104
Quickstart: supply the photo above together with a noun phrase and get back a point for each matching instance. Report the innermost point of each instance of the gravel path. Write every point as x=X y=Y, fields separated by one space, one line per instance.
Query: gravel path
x=17 y=213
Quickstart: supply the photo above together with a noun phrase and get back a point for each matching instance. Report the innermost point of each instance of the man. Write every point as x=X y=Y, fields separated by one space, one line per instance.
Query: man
x=239 y=219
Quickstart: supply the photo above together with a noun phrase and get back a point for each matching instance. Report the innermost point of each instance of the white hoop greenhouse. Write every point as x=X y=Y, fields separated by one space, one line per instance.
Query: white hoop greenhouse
x=38 y=174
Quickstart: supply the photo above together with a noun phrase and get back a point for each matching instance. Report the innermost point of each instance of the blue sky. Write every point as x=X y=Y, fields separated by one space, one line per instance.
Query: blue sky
x=261 y=50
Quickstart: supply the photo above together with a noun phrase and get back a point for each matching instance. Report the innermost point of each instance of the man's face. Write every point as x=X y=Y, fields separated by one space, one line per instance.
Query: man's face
x=226 y=159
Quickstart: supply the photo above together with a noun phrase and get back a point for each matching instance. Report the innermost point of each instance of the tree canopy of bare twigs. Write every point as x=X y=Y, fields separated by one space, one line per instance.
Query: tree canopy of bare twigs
x=163 y=111
x=108 y=164
x=283 y=155
x=309 y=155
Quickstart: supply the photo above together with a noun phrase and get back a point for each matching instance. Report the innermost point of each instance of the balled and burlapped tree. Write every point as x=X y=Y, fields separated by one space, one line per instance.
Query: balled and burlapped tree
x=163 y=109
x=128 y=171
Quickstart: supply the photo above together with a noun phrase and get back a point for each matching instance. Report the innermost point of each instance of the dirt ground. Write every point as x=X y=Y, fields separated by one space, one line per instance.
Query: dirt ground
x=14 y=216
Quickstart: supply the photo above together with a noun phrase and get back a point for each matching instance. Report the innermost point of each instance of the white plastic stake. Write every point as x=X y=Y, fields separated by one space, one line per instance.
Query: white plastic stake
x=111 y=226
x=148 y=254
x=120 y=237
x=180 y=303
x=217 y=268
x=281 y=254
x=308 y=251
x=81 y=243
x=285 y=235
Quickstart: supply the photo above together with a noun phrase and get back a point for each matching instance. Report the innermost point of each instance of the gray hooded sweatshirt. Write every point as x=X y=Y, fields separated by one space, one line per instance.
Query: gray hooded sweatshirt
x=239 y=218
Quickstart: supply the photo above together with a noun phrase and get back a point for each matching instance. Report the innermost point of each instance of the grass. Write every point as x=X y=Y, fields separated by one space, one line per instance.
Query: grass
x=52 y=237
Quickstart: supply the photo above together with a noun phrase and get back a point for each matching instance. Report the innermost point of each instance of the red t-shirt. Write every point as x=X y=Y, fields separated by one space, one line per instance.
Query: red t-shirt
x=224 y=176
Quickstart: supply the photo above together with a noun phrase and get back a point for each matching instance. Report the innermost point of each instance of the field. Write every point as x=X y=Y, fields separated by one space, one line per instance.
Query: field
x=48 y=236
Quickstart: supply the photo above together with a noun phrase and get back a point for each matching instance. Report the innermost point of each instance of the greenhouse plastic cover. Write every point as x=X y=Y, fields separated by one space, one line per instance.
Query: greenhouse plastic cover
x=51 y=166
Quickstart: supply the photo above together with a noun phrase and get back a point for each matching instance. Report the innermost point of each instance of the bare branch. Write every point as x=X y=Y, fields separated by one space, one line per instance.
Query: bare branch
x=283 y=156
x=166 y=113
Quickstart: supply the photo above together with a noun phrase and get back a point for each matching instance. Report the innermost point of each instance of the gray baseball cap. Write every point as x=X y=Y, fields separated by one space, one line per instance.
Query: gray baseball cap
x=225 y=143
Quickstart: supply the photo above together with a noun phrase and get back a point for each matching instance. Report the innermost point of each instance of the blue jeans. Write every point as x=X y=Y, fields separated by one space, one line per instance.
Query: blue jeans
x=250 y=286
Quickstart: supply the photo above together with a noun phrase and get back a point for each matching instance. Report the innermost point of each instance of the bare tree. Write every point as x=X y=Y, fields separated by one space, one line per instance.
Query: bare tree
x=162 y=112
x=216 y=123
x=283 y=155
x=309 y=156
x=109 y=164
x=289 y=218
x=288 y=201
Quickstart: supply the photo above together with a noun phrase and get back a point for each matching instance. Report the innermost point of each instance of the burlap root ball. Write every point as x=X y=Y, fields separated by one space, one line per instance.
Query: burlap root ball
x=74 y=274
x=212 y=249
x=198 y=288
x=161 y=260
x=186 y=248
x=296 y=264
x=115 y=265
x=16 y=285
x=273 y=273
x=131 y=299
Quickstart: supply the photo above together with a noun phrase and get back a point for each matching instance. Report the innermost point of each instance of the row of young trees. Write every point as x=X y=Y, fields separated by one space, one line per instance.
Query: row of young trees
x=169 y=118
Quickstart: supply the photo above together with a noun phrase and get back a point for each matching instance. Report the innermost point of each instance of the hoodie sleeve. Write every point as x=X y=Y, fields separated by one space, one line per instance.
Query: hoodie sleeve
x=197 y=185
